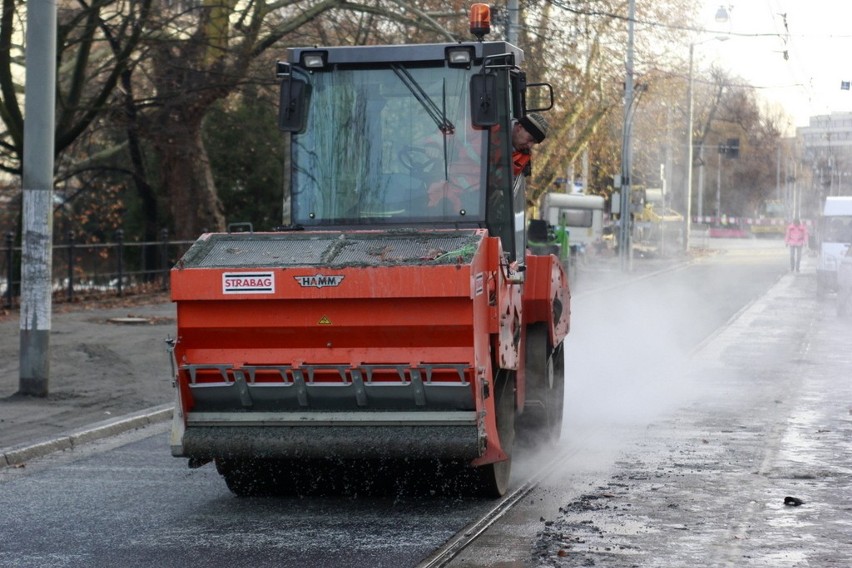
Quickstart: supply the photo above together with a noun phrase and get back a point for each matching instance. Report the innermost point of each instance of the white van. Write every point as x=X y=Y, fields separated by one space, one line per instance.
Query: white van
x=834 y=235
x=844 y=283
x=581 y=215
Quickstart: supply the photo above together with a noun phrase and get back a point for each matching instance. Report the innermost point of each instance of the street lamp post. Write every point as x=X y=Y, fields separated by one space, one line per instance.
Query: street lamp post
x=722 y=17
x=719 y=188
x=624 y=244
x=690 y=97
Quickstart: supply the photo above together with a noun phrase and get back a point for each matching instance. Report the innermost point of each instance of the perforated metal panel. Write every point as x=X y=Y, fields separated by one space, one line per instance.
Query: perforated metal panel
x=332 y=249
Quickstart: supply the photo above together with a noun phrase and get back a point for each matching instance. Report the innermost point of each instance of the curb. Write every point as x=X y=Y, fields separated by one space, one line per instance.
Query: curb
x=17 y=455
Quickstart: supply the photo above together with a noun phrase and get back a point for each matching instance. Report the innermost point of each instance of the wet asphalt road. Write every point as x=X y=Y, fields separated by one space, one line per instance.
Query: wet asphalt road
x=127 y=502
x=684 y=457
x=638 y=420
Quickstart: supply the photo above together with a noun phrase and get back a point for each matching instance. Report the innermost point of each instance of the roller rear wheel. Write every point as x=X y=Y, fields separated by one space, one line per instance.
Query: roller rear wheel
x=253 y=477
x=541 y=422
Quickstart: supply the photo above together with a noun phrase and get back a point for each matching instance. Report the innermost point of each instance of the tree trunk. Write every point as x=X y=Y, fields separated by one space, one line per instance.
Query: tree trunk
x=186 y=88
x=186 y=178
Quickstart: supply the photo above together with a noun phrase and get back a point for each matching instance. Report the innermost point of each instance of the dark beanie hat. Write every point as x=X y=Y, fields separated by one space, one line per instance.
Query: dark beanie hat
x=536 y=125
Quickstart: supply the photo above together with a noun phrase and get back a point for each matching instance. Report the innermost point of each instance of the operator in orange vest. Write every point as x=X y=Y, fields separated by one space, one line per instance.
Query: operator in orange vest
x=527 y=131
x=795 y=238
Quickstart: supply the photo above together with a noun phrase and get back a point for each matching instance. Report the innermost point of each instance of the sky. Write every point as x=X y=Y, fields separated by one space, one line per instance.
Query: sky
x=794 y=52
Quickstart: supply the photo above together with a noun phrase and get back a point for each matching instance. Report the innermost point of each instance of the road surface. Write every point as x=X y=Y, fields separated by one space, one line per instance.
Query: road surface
x=697 y=400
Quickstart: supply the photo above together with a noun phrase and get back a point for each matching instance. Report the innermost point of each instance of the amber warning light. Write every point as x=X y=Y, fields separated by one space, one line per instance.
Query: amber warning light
x=480 y=20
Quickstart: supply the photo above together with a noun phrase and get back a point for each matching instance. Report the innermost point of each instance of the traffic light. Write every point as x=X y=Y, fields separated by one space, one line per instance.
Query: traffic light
x=731 y=149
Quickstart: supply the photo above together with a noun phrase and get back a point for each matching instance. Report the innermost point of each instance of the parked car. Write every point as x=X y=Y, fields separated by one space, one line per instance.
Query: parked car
x=844 y=283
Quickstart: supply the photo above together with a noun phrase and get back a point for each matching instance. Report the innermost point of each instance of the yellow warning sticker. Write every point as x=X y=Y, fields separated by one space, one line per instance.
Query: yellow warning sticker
x=324 y=321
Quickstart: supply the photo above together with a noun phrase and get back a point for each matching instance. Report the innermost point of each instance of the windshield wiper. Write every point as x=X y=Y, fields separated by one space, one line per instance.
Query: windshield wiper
x=437 y=114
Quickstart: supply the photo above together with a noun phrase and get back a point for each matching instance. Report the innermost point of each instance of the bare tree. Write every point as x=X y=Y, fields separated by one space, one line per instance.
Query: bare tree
x=579 y=47
x=89 y=67
x=752 y=175
x=198 y=53
x=155 y=68
x=11 y=67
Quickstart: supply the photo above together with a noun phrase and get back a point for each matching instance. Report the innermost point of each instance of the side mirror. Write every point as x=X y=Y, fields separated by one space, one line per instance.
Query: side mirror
x=483 y=99
x=543 y=95
x=293 y=105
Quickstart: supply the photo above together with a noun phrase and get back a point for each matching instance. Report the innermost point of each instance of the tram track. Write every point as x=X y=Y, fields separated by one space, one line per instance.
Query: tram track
x=444 y=555
x=477 y=528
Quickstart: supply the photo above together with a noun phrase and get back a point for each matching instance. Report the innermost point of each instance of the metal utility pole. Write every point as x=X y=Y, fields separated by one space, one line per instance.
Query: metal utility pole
x=691 y=144
x=719 y=188
x=514 y=10
x=722 y=17
x=690 y=126
x=37 y=230
x=624 y=225
x=700 y=197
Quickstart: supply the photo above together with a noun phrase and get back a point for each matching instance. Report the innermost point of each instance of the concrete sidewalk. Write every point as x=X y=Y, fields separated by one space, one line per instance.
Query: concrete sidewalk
x=109 y=369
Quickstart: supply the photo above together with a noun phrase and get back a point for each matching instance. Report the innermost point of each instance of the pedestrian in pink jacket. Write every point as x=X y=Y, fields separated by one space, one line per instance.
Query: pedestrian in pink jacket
x=796 y=237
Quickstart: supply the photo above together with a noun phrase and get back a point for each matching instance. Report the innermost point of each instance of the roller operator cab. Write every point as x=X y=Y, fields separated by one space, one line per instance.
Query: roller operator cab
x=397 y=315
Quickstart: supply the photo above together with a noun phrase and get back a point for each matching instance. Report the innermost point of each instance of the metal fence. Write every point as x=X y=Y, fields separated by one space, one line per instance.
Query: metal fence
x=112 y=268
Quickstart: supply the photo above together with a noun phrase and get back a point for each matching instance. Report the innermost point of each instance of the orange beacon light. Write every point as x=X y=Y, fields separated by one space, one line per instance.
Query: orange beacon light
x=480 y=20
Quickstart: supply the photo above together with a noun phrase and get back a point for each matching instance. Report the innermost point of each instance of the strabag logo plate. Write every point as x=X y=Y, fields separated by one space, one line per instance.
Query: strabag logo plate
x=248 y=283
x=318 y=281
